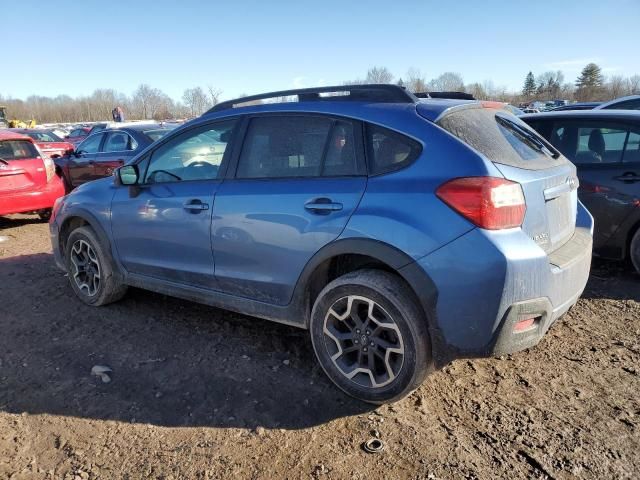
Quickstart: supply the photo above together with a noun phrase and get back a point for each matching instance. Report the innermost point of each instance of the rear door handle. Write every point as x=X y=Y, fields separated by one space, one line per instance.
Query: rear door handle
x=195 y=205
x=322 y=206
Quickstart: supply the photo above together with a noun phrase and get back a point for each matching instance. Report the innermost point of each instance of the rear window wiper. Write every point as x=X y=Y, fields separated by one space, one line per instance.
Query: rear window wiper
x=538 y=144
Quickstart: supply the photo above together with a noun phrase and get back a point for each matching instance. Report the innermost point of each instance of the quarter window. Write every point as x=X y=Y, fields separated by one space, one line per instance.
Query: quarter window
x=389 y=151
x=119 y=142
x=194 y=155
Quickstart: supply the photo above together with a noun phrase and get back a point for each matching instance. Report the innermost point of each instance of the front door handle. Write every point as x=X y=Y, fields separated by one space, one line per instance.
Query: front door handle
x=322 y=206
x=628 y=177
x=195 y=205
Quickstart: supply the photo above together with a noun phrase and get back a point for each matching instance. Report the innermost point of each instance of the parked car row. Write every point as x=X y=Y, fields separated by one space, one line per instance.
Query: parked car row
x=396 y=259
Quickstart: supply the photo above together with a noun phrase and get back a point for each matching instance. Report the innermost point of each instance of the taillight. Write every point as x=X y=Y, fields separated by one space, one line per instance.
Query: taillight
x=57 y=204
x=49 y=167
x=488 y=202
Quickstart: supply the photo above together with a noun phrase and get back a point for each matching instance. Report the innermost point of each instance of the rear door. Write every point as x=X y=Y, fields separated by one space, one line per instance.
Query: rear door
x=81 y=163
x=607 y=155
x=548 y=180
x=298 y=180
x=21 y=169
x=118 y=147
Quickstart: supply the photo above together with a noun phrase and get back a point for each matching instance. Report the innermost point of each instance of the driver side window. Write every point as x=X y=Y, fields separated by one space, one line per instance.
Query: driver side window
x=194 y=155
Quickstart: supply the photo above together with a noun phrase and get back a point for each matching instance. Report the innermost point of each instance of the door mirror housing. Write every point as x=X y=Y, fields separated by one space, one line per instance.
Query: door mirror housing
x=128 y=175
x=70 y=151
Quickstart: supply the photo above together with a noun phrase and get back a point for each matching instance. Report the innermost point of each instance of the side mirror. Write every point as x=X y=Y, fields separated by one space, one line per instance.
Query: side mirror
x=128 y=175
x=70 y=151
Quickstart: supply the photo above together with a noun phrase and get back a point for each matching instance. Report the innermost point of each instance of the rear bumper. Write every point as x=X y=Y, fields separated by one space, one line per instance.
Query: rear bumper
x=31 y=200
x=488 y=281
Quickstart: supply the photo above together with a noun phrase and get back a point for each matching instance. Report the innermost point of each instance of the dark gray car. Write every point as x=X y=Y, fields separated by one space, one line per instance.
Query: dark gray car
x=605 y=146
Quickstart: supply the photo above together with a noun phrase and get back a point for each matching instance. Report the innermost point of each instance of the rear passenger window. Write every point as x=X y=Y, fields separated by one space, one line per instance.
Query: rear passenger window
x=389 y=151
x=594 y=143
x=297 y=146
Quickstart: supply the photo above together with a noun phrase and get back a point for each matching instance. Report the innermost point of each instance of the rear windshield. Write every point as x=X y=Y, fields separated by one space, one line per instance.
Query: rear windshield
x=502 y=138
x=17 y=150
x=156 y=134
x=44 y=136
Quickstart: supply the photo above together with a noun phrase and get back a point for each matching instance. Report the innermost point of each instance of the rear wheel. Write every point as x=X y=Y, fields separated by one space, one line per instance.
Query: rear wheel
x=90 y=269
x=634 y=250
x=370 y=336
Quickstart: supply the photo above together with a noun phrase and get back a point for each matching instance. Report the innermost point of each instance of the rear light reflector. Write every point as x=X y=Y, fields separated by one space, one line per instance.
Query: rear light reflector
x=488 y=202
x=525 y=324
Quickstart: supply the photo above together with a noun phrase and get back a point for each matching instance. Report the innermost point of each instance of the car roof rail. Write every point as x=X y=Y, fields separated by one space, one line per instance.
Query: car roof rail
x=373 y=93
x=450 y=95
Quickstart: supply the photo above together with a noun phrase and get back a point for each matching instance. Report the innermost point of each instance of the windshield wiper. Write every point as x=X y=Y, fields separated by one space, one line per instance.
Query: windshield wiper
x=2 y=160
x=532 y=138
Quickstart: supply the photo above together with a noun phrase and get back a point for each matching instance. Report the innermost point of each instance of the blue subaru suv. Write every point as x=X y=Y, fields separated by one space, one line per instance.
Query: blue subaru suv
x=401 y=232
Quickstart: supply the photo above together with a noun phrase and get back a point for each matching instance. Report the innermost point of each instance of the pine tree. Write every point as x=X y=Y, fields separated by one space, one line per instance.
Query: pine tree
x=589 y=83
x=529 y=85
x=590 y=77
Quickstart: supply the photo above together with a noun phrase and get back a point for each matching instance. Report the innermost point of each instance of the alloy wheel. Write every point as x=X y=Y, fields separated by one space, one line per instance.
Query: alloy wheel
x=363 y=341
x=86 y=267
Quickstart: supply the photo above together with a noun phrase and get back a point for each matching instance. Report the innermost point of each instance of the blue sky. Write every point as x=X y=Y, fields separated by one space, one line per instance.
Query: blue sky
x=238 y=46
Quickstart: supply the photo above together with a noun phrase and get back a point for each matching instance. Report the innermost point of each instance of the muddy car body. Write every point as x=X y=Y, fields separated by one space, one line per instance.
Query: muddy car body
x=402 y=233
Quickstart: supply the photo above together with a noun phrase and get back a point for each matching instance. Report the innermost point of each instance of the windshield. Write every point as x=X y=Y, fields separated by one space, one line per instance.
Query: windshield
x=157 y=133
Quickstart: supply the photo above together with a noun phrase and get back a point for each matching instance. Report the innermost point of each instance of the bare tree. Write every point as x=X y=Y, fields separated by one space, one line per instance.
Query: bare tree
x=447 y=82
x=214 y=95
x=147 y=101
x=196 y=99
x=617 y=86
x=634 y=85
x=415 y=81
x=379 y=75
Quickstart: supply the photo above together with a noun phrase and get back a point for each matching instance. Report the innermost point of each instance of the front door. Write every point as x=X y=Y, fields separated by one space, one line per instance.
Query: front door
x=298 y=180
x=81 y=163
x=162 y=228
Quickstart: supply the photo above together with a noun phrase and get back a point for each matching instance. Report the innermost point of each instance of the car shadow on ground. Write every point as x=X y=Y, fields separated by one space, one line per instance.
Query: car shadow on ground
x=612 y=280
x=174 y=363
x=18 y=221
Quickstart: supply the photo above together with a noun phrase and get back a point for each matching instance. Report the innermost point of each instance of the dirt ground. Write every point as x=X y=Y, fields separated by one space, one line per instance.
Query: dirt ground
x=202 y=393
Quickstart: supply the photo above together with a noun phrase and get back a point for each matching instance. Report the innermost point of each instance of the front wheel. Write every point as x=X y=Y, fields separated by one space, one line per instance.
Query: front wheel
x=45 y=214
x=371 y=336
x=90 y=269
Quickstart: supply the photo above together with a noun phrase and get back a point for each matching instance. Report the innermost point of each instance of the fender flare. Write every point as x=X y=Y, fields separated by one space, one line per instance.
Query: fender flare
x=94 y=223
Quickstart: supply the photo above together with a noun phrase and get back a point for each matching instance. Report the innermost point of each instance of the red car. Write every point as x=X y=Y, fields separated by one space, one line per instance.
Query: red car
x=48 y=142
x=28 y=181
x=77 y=135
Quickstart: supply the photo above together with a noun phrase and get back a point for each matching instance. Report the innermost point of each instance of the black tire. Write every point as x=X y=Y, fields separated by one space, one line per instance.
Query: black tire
x=391 y=298
x=634 y=250
x=45 y=214
x=108 y=288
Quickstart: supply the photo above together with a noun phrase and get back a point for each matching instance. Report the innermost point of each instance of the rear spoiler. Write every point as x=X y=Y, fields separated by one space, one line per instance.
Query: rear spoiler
x=450 y=95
